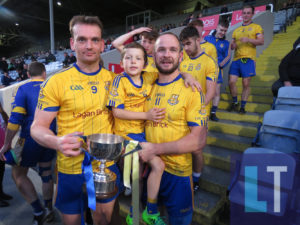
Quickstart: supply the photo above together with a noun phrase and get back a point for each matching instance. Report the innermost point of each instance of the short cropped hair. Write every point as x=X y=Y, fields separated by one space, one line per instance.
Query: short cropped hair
x=196 y=23
x=224 y=23
x=134 y=45
x=174 y=35
x=36 y=69
x=249 y=7
x=152 y=35
x=188 y=32
x=92 y=20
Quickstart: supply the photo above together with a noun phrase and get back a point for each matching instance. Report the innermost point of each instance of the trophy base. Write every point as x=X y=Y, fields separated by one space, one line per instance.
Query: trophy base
x=107 y=195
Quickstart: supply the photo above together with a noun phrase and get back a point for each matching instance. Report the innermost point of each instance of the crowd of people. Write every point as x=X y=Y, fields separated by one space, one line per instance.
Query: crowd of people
x=163 y=99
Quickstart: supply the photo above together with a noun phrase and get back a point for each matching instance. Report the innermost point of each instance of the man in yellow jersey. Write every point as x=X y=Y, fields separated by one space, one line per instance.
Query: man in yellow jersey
x=207 y=47
x=204 y=68
x=244 y=41
x=77 y=97
x=148 y=38
x=182 y=131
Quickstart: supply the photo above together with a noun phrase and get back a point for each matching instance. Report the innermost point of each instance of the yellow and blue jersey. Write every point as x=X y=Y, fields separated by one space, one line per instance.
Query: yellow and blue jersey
x=206 y=47
x=222 y=47
x=79 y=99
x=125 y=94
x=23 y=107
x=246 y=50
x=184 y=109
x=150 y=67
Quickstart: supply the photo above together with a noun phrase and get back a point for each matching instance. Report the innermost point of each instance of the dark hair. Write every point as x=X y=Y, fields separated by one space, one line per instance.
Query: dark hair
x=152 y=35
x=196 y=23
x=36 y=69
x=224 y=23
x=188 y=32
x=249 y=7
x=135 y=45
x=92 y=20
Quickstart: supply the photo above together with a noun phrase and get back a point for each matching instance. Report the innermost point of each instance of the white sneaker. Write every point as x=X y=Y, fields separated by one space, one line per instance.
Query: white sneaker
x=49 y=215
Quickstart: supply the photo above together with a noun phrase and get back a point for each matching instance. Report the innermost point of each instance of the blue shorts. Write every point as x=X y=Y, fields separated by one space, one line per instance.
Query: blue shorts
x=176 y=194
x=34 y=153
x=220 y=77
x=243 y=69
x=141 y=137
x=70 y=197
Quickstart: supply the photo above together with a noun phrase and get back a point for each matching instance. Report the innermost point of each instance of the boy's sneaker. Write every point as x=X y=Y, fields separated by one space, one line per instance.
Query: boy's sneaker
x=152 y=219
x=213 y=117
x=234 y=107
x=49 y=215
x=129 y=220
x=39 y=220
x=242 y=110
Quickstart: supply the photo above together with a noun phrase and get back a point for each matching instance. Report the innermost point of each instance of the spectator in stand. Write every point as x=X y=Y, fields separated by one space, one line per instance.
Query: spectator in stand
x=72 y=59
x=224 y=9
x=6 y=79
x=50 y=57
x=66 y=59
x=23 y=73
x=3 y=64
x=289 y=69
x=131 y=39
x=11 y=65
x=199 y=16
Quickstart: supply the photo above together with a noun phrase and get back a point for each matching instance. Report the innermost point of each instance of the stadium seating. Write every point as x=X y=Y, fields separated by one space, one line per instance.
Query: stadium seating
x=288 y=99
x=280 y=131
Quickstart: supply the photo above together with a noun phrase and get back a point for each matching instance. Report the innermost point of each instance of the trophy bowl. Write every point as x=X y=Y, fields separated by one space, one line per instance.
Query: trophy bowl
x=105 y=147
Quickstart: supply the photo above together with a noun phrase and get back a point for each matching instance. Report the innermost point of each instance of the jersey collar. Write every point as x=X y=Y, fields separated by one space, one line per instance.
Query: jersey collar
x=37 y=80
x=89 y=74
x=165 y=84
x=197 y=56
x=247 y=24
x=131 y=81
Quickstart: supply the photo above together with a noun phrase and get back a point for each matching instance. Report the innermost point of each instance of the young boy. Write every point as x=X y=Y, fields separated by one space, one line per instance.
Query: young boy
x=127 y=97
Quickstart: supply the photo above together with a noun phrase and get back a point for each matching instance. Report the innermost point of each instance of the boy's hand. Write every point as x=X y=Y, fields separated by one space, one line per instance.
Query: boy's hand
x=156 y=114
x=142 y=29
x=190 y=81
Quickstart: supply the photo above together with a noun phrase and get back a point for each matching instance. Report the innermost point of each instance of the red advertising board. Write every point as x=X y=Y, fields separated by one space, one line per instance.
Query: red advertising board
x=116 y=68
x=237 y=15
x=210 y=22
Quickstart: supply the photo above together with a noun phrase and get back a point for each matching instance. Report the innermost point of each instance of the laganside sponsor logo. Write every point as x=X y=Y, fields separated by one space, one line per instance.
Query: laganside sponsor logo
x=156 y=124
x=84 y=115
x=76 y=87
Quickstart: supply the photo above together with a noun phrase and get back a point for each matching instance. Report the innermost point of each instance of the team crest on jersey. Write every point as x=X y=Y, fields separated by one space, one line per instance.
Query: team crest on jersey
x=114 y=91
x=107 y=84
x=198 y=67
x=76 y=87
x=153 y=65
x=144 y=93
x=202 y=111
x=250 y=28
x=173 y=100
x=222 y=45
x=190 y=68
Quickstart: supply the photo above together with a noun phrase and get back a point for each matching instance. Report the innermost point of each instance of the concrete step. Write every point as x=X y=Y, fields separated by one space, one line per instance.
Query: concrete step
x=244 y=129
x=254 y=90
x=250 y=106
x=265 y=77
x=234 y=116
x=214 y=180
x=252 y=98
x=206 y=207
x=218 y=157
x=229 y=141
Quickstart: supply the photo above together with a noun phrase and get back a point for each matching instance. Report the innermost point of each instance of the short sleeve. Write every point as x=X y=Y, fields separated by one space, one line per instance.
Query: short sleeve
x=18 y=108
x=196 y=114
x=49 y=99
x=116 y=97
x=259 y=30
x=212 y=71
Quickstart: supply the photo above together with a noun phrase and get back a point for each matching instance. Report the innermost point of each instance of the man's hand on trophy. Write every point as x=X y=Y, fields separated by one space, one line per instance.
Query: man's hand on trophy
x=148 y=151
x=70 y=144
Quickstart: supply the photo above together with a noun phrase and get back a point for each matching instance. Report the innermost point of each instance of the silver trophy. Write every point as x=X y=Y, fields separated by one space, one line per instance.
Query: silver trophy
x=105 y=147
